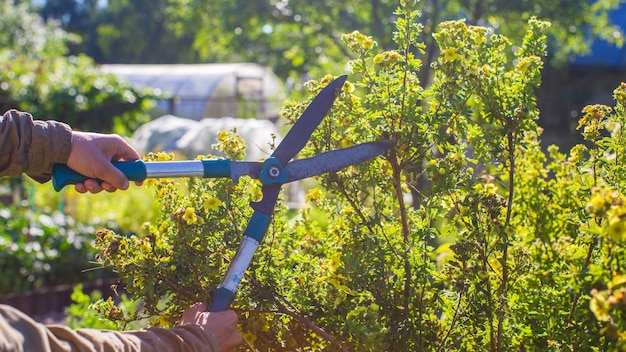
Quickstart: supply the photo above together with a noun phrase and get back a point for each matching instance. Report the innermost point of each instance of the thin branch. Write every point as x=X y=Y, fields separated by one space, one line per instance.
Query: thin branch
x=457 y=311
x=282 y=308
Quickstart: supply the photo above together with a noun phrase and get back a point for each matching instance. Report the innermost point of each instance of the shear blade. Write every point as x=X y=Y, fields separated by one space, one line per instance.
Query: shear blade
x=299 y=134
x=335 y=160
x=270 y=196
x=241 y=168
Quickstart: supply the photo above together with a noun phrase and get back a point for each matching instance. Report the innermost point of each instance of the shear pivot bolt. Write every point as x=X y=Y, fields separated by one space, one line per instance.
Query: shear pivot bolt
x=274 y=172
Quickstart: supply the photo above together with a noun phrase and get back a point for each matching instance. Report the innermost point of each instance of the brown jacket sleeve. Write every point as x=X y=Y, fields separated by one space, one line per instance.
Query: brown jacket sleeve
x=32 y=147
x=20 y=333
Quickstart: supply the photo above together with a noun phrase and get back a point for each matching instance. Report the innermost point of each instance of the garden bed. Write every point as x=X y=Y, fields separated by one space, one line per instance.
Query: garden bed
x=50 y=302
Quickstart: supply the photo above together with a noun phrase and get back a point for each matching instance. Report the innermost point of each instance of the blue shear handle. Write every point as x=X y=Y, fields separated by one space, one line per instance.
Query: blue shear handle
x=222 y=300
x=214 y=168
x=62 y=175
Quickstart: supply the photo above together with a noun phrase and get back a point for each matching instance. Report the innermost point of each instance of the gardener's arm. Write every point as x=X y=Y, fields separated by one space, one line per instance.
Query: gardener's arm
x=20 y=333
x=33 y=147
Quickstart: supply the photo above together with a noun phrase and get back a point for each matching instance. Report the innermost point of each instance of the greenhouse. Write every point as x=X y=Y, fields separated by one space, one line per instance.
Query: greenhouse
x=196 y=91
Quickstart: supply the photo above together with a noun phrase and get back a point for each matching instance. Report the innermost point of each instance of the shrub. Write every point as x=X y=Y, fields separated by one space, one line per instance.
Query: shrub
x=466 y=236
x=38 y=250
x=84 y=313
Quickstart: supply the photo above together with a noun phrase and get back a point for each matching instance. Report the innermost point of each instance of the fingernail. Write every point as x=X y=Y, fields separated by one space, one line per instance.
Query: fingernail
x=126 y=184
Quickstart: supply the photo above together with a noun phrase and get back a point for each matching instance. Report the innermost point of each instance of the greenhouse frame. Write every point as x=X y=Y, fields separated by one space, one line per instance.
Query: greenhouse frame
x=196 y=91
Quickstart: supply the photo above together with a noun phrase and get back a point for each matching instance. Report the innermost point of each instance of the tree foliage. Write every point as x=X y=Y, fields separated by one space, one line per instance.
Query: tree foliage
x=508 y=248
x=36 y=76
x=299 y=37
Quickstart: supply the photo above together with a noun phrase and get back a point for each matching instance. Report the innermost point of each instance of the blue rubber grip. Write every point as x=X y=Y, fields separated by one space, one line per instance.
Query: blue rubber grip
x=222 y=300
x=258 y=225
x=214 y=168
x=62 y=175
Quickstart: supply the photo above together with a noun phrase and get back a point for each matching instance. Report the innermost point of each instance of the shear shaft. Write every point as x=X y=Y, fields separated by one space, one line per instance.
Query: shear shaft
x=174 y=169
x=189 y=168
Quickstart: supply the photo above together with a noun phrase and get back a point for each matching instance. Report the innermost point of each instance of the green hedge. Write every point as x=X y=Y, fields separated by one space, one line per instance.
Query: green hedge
x=39 y=250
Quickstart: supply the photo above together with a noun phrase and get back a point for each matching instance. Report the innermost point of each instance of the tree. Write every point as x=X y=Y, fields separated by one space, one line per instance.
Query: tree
x=140 y=32
x=122 y=31
x=293 y=38
x=302 y=38
x=298 y=37
x=23 y=33
x=75 y=17
x=37 y=76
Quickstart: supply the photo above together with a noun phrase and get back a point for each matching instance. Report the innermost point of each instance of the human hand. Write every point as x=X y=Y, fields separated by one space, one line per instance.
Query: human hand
x=223 y=325
x=91 y=156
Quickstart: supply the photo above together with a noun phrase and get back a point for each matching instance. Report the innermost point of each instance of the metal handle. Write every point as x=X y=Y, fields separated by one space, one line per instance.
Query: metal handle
x=253 y=234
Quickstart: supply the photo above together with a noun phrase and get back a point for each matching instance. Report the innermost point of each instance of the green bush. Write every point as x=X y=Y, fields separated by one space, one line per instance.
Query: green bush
x=72 y=90
x=84 y=313
x=38 y=250
x=466 y=236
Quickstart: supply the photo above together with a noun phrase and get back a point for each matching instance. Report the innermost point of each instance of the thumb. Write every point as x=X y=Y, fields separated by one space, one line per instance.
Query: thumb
x=123 y=150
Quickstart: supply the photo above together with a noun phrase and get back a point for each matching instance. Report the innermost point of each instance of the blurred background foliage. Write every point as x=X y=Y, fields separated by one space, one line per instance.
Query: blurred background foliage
x=47 y=237
x=51 y=48
x=37 y=75
x=299 y=38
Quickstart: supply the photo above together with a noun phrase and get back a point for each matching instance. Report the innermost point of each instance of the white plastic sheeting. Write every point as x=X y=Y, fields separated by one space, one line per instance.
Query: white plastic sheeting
x=196 y=91
x=196 y=137
x=191 y=138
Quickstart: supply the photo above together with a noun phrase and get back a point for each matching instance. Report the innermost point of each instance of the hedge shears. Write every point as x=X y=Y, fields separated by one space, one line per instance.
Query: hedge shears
x=273 y=172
